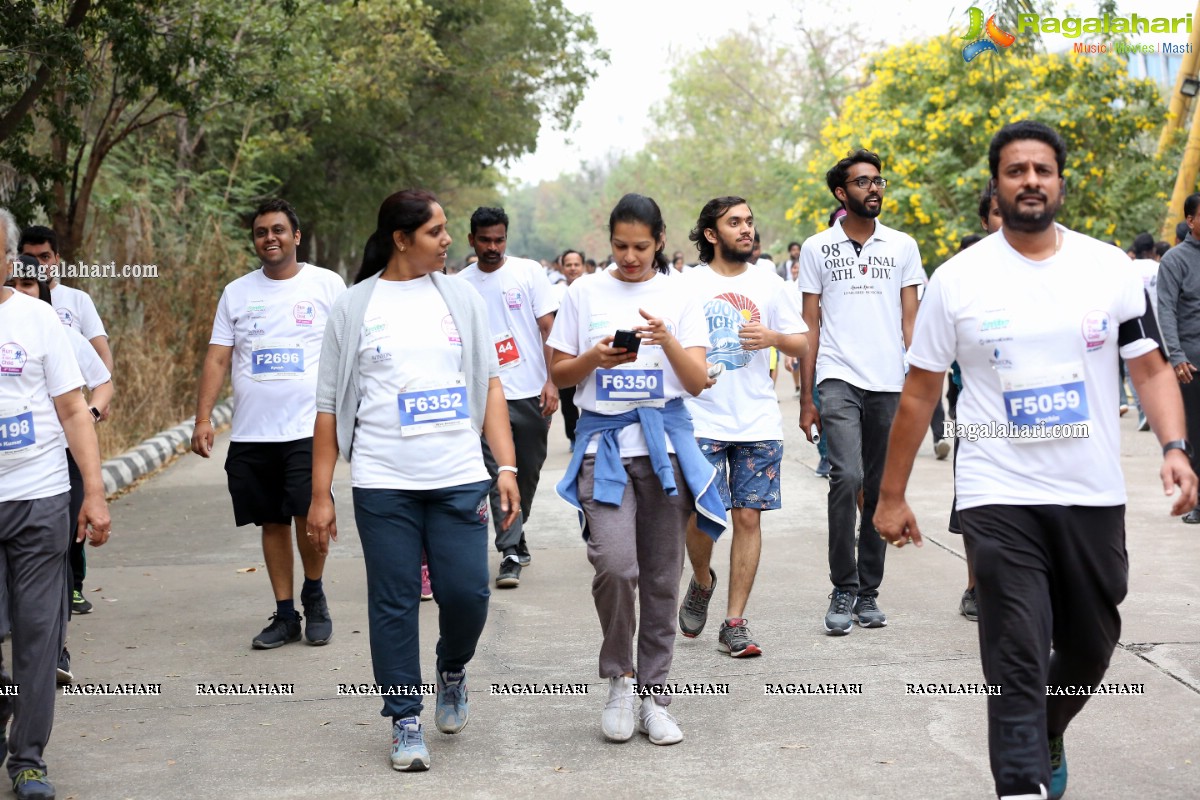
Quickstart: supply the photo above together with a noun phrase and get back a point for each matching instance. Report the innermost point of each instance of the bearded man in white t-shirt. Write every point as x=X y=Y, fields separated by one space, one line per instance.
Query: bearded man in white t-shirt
x=268 y=331
x=521 y=305
x=1040 y=494
x=736 y=419
x=859 y=280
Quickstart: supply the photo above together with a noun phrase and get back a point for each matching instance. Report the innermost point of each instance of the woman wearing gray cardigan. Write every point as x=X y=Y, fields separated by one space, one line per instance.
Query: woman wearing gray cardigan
x=407 y=383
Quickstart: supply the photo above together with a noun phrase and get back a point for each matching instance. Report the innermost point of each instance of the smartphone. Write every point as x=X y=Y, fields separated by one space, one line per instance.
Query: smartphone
x=627 y=339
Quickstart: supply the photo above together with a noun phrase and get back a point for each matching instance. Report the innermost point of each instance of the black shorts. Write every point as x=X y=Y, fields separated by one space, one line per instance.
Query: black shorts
x=270 y=482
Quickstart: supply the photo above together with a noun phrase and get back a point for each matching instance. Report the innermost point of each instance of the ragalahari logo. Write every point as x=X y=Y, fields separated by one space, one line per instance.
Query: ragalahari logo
x=984 y=38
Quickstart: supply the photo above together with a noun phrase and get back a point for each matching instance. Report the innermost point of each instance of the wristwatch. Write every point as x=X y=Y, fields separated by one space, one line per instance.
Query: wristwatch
x=1179 y=444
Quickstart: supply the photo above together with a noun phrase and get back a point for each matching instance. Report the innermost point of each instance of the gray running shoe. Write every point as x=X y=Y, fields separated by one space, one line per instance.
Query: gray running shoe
x=452 y=712
x=867 y=612
x=941 y=449
x=693 y=612
x=838 y=619
x=409 y=753
x=969 y=605
x=735 y=639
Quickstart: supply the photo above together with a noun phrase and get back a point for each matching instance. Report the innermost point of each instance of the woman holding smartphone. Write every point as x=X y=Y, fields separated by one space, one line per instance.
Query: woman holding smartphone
x=408 y=380
x=634 y=346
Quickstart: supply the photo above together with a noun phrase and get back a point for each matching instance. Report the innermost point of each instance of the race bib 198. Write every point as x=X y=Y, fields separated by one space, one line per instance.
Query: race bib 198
x=16 y=430
x=435 y=407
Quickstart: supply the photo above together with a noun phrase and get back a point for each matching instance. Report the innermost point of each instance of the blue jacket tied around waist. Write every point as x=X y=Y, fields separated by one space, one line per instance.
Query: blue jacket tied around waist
x=674 y=421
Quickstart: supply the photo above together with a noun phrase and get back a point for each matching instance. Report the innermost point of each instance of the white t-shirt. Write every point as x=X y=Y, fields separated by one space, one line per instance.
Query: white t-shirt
x=741 y=406
x=76 y=310
x=275 y=329
x=93 y=369
x=860 y=303
x=1147 y=268
x=409 y=377
x=516 y=295
x=601 y=306
x=36 y=365
x=1036 y=340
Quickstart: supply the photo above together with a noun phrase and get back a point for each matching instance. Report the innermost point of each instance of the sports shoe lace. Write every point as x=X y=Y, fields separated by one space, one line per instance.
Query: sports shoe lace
x=842 y=602
x=453 y=692
x=867 y=604
x=738 y=634
x=406 y=736
x=26 y=775
x=695 y=602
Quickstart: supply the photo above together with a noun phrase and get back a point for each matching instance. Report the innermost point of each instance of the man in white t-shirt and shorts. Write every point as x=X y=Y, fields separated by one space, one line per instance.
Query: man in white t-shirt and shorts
x=859 y=280
x=736 y=419
x=1040 y=494
x=521 y=305
x=268 y=329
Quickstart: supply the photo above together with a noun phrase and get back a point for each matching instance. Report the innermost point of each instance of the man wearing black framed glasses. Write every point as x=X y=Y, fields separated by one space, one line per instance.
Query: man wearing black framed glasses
x=859 y=280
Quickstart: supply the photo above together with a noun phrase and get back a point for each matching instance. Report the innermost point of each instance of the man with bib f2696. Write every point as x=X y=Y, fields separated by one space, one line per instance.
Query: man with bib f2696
x=268 y=327
x=1035 y=316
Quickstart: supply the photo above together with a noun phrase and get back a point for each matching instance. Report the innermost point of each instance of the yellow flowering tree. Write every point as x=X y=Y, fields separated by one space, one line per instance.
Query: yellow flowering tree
x=930 y=117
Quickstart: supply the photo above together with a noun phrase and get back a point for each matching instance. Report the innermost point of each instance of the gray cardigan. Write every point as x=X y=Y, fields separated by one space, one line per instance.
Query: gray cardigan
x=337 y=376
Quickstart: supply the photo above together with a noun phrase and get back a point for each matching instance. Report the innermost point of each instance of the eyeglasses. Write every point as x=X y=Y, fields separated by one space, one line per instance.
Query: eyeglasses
x=864 y=182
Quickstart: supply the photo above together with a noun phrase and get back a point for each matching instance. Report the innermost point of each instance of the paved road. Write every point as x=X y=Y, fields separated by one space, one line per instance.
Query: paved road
x=173 y=607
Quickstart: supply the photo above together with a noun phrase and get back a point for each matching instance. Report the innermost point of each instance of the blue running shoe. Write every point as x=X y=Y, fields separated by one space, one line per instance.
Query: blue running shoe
x=409 y=753
x=451 y=712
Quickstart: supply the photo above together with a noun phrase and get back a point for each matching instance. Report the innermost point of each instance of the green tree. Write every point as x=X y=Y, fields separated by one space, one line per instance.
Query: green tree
x=931 y=117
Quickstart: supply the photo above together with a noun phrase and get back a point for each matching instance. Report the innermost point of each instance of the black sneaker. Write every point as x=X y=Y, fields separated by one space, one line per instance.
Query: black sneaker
x=281 y=631
x=867 y=612
x=969 y=605
x=64 y=669
x=523 y=554
x=318 y=627
x=509 y=576
x=1192 y=517
x=840 y=616
x=79 y=603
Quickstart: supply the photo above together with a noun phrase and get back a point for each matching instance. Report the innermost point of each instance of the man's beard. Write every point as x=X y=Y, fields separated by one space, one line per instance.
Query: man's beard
x=860 y=208
x=733 y=255
x=1027 y=221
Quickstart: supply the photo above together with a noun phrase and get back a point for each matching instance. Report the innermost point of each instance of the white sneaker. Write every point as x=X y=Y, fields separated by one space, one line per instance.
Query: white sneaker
x=941 y=449
x=617 y=721
x=655 y=722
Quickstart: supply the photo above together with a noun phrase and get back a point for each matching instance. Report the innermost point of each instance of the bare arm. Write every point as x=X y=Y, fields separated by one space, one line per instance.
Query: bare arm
x=1158 y=390
x=549 y=396
x=808 y=364
x=908 y=313
x=893 y=518
x=498 y=431
x=212 y=376
x=101 y=399
x=322 y=517
x=79 y=427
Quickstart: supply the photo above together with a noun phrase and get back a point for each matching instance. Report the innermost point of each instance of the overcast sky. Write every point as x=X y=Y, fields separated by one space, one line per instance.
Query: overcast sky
x=644 y=38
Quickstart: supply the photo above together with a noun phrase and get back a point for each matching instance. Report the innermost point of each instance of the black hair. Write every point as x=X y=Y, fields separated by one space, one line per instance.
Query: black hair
x=273 y=206
x=968 y=240
x=757 y=240
x=1190 y=204
x=32 y=265
x=1181 y=231
x=985 y=202
x=838 y=174
x=1143 y=245
x=797 y=244
x=486 y=217
x=1161 y=248
x=713 y=210
x=833 y=215
x=38 y=234
x=568 y=252
x=404 y=211
x=589 y=262
x=639 y=208
x=1026 y=129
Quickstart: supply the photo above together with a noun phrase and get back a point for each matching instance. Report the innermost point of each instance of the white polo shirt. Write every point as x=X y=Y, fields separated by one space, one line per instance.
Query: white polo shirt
x=275 y=329
x=1037 y=342
x=516 y=294
x=860 y=340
